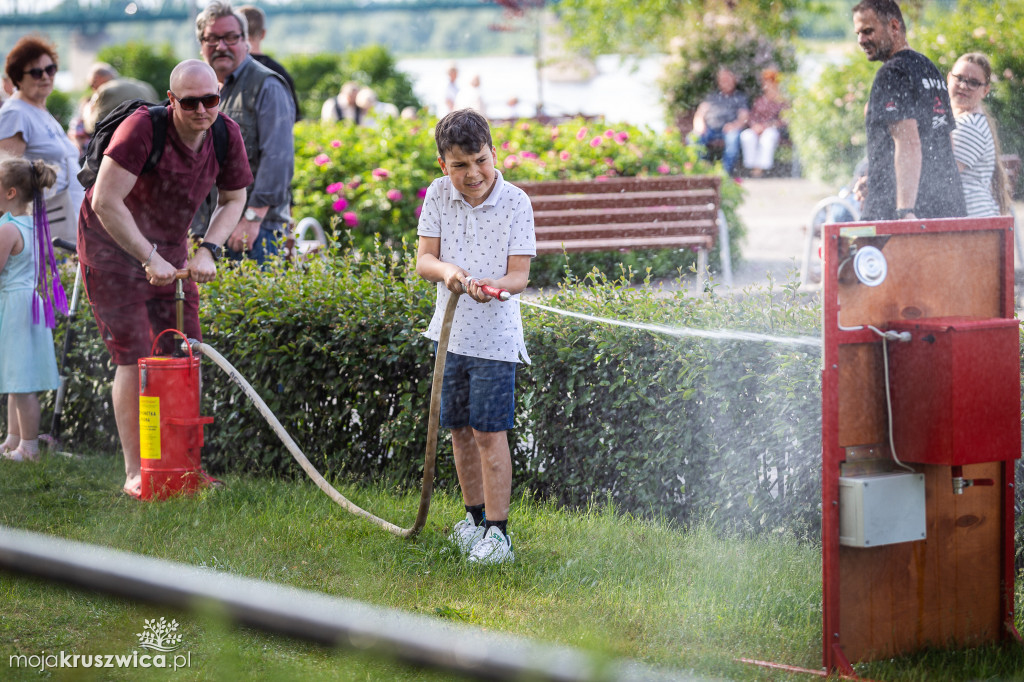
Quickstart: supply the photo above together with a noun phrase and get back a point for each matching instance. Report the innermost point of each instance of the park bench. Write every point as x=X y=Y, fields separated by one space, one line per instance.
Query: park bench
x=629 y=214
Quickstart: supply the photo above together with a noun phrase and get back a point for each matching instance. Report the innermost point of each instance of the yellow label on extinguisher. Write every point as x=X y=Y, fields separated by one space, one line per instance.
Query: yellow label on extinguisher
x=149 y=427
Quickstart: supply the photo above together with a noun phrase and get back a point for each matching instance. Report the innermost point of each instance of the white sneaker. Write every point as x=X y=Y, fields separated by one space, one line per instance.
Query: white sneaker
x=494 y=548
x=466 y=534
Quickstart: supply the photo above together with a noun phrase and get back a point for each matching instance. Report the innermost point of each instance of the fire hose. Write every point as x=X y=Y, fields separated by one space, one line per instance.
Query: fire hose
x=430 y=456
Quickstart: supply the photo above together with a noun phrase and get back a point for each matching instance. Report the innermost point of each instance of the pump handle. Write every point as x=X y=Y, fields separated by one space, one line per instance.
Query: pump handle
x=182 y=274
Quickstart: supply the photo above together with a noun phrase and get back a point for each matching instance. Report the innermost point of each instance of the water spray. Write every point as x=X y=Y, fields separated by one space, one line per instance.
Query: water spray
x=192 y=346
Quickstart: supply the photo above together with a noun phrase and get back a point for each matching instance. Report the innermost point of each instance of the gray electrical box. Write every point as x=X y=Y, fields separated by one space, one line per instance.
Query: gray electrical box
x=881 y=509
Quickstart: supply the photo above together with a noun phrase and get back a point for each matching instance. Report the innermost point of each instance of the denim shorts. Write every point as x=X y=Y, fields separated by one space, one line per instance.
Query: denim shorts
x=478 y=393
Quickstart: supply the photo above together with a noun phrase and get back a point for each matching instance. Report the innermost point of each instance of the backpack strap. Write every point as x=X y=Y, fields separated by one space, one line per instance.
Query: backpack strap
x=220 y=139
x=158 y=114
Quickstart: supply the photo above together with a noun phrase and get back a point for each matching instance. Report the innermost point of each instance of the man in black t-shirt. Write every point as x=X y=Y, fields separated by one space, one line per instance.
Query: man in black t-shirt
x=911 y=169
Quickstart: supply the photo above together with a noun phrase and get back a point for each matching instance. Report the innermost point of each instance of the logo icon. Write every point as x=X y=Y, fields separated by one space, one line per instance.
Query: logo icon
x=159 y=635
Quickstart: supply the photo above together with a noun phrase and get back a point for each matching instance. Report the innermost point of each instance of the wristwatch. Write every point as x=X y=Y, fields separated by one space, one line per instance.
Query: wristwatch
x=214 y=250
x=251 y=216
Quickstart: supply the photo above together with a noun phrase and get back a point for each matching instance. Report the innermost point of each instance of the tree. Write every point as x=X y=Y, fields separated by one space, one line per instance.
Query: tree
x=645 y=26
x=698 y=35
x=143 y=61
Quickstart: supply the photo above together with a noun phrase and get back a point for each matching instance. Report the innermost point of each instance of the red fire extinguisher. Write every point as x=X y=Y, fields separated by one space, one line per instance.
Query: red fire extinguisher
x=170 y=428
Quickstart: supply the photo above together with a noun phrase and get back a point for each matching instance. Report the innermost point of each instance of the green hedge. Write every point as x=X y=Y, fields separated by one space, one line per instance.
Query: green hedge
x=361 y=183
x=680 y=427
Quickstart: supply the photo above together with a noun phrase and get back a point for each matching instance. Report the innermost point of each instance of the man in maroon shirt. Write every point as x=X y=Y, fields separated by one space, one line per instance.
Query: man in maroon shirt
x=133 y=234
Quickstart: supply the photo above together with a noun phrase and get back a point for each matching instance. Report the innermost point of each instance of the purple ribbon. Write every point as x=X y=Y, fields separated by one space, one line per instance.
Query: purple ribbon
x=48 y=285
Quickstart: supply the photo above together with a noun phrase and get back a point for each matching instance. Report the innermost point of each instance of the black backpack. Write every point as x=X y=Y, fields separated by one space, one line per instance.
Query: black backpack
x=158 y=112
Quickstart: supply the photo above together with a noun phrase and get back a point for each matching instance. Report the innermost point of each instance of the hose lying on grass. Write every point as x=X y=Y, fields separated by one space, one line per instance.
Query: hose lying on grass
x=430 y=457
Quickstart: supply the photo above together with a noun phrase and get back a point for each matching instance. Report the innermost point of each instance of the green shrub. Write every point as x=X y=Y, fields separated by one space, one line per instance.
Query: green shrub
x=827 y=120
x=319 y=77
x=695 y=59
x=359 y=182
x=143 y=61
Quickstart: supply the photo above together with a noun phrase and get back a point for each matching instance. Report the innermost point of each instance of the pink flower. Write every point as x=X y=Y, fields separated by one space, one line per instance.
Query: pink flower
x=525 y=127
x=335 y=143
x=554 y=132
x=505 y=146
x=380 y=173
x=622 y=137
x=564 y=155
x=688 y=166
x=529 y=155
x=664 y=169
x=355 y=183
x=601 y=178
x=609 y=161
x=421 y=193
x=511 y=161
x=334 y=187
x=350 y=218
x=340 y=204
x=582 y=134
x=419 y=209
x=321 y=159
x=609 y=133
x=394 y=195
x=596 y=142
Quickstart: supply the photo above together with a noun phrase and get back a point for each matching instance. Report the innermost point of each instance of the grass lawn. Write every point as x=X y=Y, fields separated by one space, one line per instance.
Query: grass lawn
x=594 y=579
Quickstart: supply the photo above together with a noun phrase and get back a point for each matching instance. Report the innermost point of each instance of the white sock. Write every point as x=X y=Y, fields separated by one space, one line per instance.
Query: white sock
x=11 y=443
x=29 y=448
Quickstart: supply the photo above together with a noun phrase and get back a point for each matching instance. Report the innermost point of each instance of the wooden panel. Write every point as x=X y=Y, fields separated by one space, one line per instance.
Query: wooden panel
x=930 y=275
x=942 y=591
x=862 y=413
x=671 y=227
x=945 y=590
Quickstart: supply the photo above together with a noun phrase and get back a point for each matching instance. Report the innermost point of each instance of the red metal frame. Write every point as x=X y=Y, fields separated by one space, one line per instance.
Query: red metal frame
x=832 y=454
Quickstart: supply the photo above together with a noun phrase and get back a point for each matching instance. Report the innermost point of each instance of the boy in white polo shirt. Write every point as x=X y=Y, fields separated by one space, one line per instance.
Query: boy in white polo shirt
x=476 y=229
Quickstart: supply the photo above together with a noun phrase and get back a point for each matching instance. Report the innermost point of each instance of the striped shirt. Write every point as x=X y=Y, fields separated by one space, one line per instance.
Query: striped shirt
x=974 y=148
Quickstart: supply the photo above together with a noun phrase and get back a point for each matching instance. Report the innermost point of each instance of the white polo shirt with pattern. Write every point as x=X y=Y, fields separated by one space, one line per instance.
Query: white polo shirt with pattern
x=480 y=239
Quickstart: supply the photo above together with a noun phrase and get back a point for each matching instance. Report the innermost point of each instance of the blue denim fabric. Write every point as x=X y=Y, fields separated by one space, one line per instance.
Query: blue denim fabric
x=267 y=243
x=731 y=154
x=478 y=393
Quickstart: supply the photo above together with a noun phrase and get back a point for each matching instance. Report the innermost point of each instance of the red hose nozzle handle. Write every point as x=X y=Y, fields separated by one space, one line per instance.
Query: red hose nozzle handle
x=493 y=292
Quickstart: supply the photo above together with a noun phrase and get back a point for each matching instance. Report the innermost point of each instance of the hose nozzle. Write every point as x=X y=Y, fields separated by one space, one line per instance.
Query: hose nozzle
x=493 y=292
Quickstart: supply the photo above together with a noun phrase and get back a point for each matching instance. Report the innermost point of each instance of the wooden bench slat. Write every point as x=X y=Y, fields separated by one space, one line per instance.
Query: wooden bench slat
x=638 y=184
x=630 y=244
x=594 y=231
x=702 y=198
x=614 y=215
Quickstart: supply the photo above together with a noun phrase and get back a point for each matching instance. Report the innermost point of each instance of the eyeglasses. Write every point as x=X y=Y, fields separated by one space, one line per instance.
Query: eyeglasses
x=970 y=83
x=37 y=73
x=229 y=39
x=192 y=103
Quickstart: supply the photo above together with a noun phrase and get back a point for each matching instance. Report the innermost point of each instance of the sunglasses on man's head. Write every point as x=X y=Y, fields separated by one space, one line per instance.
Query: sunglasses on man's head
x=37 y=73
x=192 y=103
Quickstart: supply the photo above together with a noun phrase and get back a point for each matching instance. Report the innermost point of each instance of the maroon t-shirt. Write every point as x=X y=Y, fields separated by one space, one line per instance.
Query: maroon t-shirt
x=164 y=199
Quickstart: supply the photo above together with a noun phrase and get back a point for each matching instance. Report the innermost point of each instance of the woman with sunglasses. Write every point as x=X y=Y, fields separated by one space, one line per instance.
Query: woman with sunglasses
x=975 y=143
x=27 y=129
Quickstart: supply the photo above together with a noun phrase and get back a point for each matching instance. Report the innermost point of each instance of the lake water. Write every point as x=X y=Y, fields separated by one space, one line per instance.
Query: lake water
x=619 y=91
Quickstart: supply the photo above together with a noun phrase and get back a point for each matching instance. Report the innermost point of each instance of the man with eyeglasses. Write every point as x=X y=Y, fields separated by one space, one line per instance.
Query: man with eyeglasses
x=259 y=101
x=134 y=227
x=911 y=169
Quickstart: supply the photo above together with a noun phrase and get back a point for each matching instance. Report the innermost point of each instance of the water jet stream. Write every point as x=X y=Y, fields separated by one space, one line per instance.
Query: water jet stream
x=720 y=335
